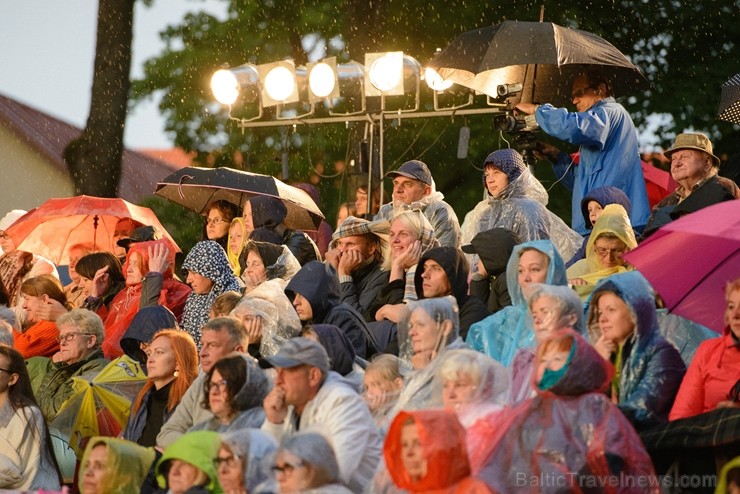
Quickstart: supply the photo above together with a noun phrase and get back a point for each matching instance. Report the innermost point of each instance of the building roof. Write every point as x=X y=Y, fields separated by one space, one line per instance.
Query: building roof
x=49 y=136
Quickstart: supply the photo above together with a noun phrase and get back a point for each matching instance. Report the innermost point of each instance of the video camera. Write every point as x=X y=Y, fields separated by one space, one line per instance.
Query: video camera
x=508 y=122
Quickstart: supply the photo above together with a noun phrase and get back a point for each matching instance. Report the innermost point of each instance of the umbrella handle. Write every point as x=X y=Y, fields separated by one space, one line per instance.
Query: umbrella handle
x=179 y=185
x=95 y=232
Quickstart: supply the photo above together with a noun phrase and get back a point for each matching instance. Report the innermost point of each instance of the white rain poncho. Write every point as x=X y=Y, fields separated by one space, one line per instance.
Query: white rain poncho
x=256 y=449
x=280 y=263
x=519 y=207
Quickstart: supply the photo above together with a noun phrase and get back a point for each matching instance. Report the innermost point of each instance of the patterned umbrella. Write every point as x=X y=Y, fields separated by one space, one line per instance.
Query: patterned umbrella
x=729 y=106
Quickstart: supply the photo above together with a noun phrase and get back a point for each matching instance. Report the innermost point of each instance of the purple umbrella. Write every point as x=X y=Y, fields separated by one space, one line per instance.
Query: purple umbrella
x=689 y=261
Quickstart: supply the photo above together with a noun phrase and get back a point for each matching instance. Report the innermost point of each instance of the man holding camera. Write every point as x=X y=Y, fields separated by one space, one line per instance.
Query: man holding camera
x=608 y=146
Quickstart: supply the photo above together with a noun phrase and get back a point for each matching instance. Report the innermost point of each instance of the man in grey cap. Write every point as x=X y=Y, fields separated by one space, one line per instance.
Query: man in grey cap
x=694 y=166
x=309 y=396
x=413 y=188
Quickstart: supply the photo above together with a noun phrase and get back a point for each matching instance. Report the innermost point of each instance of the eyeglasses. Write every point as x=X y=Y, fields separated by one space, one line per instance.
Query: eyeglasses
x=578 y=93
x=221 y=386
x=229 y=461
x=215 y=221
x=286 y=468
x=70 y=336
x=611 y=252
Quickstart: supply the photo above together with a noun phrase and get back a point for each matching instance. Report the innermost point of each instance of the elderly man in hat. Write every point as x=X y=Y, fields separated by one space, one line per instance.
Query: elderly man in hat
x=307 y=395
x=413 y=188
x=356 y=253
x=694 y=167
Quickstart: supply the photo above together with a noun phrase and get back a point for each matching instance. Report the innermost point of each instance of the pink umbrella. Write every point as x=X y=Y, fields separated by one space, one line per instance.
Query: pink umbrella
x=689 y=261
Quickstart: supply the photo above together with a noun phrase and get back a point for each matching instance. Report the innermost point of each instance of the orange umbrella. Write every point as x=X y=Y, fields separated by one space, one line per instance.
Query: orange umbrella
x=52 y=228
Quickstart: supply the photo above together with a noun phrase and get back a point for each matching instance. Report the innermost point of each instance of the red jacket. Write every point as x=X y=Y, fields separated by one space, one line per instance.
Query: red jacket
x=713 y=372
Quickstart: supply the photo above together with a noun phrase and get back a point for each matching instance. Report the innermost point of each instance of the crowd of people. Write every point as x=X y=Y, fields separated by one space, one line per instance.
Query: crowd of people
x=407 y=353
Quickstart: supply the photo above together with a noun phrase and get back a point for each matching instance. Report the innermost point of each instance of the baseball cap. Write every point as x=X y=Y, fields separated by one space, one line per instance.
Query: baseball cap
x=415 y=169
x=141 y=234
x=299 y=351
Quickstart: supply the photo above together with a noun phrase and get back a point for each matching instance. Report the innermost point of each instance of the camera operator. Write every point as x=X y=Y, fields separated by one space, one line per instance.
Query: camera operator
x=608 y=146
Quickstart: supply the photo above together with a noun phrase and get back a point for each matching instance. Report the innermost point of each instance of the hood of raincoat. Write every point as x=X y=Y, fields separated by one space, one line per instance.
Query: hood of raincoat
x=614 y=220
x=494 y=248
x=143 y=327
x=637 y=293
x=255 y=387
x=555 y=270
x=455 y=265
x=198 y=448
x=267 y=211
x=521 y=182
x=586 y=372
x=279 y=261
x=604 y=196
x=338 y=347
x=440 y=309
x=256 y=448
x=317 y=283
x=128 y=462
x=142 y=248
x=446 y=454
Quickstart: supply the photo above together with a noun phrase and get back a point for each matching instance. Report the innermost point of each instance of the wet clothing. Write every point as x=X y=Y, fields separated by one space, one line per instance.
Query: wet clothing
x=318 y=283
x=493 y=247
x=651 y=368
x=608 y=155
x=441 y=216
x=256 y=448
x=269 y=212
x=145 y=324
x=188 y=412
x=134 y=462
x=198 y=448
x=361 y=291
x=500 y=335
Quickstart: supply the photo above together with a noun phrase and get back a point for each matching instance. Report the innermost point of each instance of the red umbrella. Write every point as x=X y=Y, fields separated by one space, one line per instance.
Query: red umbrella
x=50 y=229
x=689 y=261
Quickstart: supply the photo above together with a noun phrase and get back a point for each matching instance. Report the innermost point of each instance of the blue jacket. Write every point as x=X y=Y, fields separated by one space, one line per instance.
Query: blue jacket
x=652 y=369
x=608 y=155
x=501 y=334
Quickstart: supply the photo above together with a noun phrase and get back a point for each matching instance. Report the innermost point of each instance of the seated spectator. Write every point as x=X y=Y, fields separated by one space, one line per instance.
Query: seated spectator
x=322 y=236
x=80 y=339
x=172 y=367
x=238 y=236
x=269 y=212
x=356 y=253
x=516 y=200
x=123 y=229
x=314 y=292
x=208 y=273
x=569 y=417
x=40 y=339
x=383 y=384
x=224 y=304
x=490 y=250
x=500 y=335
x=6 y=333
x=262 y=261
x=75 y=291
x=28 y=461
x=187 y=465
x=220 y=337
x=414 y=190
x=622 y=326
x=551 y=308
x=6 y=313
x=218 y=217
x=234 y=389
x=306 y=462
x=113 y=465
x=340 y=351
x=308 y=395
x=695 y=169
x=422 y=459
x=713 y=374
x=360 y=205
x=611 y=237
x=346 y=209
x=105 y=284
x=145 y=324
x=592 y=206
x=444 y=271
x=471 y=385
x=243 y=462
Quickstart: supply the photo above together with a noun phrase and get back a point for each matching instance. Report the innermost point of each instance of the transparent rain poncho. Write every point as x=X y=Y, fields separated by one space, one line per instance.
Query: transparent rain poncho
x=519 y=207
x=280 y=263
x=256 y=449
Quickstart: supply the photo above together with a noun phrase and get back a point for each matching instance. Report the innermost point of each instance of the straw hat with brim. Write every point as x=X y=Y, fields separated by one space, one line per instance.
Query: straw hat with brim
x=700 y=142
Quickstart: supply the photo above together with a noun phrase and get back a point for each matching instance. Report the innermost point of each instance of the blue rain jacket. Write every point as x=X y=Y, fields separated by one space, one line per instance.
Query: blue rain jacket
x=608 y=155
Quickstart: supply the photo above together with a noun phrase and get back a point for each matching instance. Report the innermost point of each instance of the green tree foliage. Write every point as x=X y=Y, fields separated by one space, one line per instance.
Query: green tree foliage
x=686 y=50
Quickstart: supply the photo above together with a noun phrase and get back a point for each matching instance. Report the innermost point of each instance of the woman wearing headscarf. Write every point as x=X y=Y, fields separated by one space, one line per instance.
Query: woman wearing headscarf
x=262 y=261
x=209 y=274
x=516 y=200
x=421 y=458
x=500 y=335
x=233 y=392
x=269 y=212
x=611 y=237
x=243 y=462
x=306 y=463
x=113 y=466
x=566 y=438
x=622 y=326
x=238 y=236
x=187 y=465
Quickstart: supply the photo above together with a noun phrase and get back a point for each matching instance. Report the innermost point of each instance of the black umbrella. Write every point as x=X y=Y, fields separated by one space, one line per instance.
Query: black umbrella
x=195 y=188
x=542 y=56
x=729 y=105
